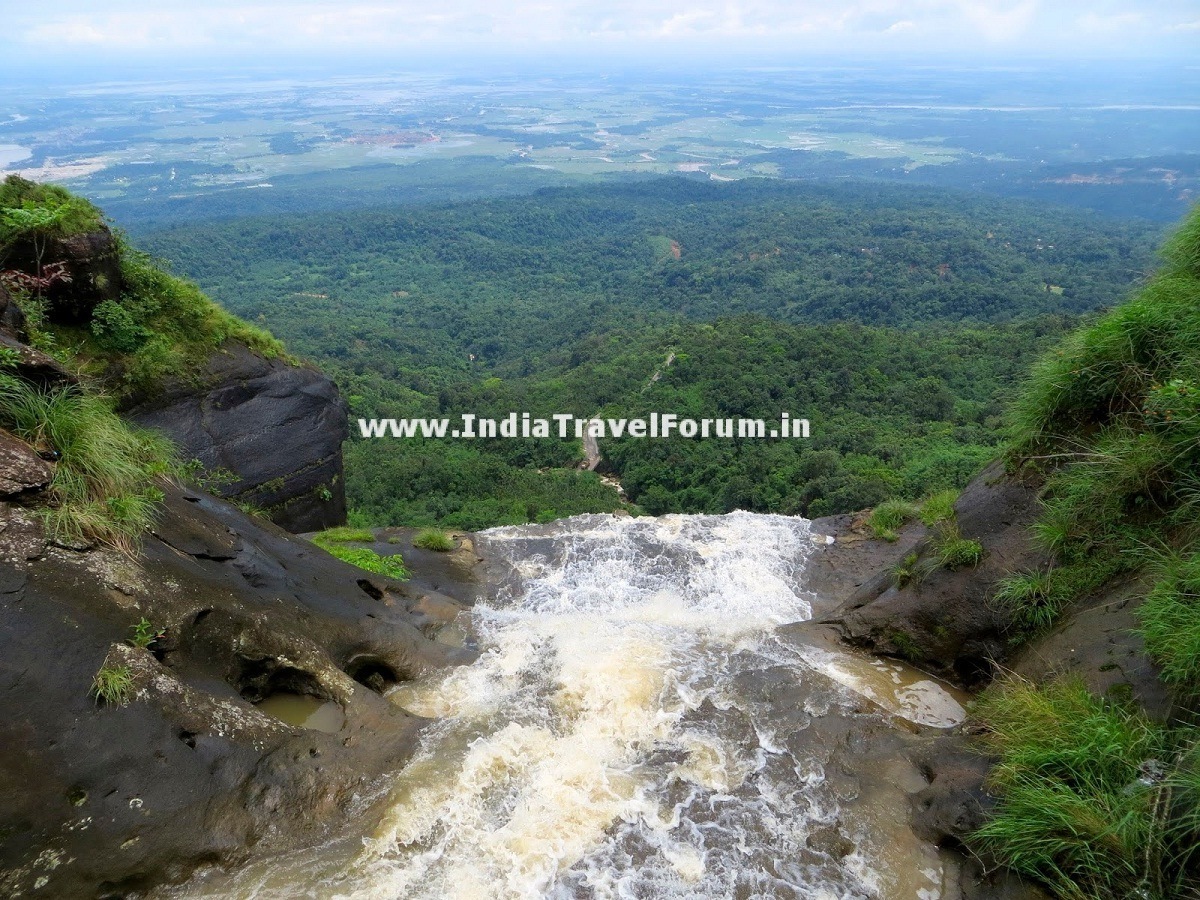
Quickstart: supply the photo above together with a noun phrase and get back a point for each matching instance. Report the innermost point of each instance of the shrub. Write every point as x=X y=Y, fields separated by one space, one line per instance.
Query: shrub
x=434 y=539
x=889 y=517
x=113 y=685
x=104 y=481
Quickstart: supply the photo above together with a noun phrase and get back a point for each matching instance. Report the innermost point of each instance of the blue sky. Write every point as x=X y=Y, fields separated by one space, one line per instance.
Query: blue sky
x=154 y=30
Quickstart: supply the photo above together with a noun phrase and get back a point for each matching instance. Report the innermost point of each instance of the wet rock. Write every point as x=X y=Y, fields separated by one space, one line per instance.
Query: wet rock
x=830 y=841
x=21 y=469
x=1099 y=643
x=22 y=536
x=947 y=621
x=276 y=427
x=187 y=771
x=12 y=320
x=954 y=804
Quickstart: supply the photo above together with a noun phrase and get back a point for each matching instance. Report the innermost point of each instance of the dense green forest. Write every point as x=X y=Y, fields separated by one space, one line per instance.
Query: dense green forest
x=895 y=319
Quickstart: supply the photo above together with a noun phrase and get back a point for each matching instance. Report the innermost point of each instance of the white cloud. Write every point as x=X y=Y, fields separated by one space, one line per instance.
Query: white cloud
x=1098 y=24
x=171 y=26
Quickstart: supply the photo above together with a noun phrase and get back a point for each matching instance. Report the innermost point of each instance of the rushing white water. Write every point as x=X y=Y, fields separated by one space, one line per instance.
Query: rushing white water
x=603 y=745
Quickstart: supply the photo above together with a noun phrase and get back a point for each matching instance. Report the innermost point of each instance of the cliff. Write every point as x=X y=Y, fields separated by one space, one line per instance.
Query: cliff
x=270 y=428
x=277 y=427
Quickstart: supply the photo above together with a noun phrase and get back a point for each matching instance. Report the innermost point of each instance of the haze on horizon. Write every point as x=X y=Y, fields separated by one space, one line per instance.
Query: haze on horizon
x=148 y=33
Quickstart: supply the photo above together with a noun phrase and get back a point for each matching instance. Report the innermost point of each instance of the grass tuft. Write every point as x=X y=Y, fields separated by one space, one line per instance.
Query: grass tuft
x=889 y=517
x=1170 y=622
x=938 y=508
x=113 y=685
x=955 y=551
x=911 y=570
x=1079 y=797
x=344 y=534
x=434 y=539
x=104 y=478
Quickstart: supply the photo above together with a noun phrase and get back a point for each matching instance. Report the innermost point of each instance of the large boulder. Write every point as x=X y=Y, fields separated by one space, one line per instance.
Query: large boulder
x=90 y=262
x=947 y=622
x=105 y=799
x=276 y=427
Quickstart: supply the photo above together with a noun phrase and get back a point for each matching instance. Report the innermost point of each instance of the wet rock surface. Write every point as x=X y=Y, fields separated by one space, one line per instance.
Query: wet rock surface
x=105 y=799
x=946 y=621
x=276 y=427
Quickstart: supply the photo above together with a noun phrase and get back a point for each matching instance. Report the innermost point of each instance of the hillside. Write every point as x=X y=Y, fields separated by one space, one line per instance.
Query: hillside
x=83 y=308
x=1064 y=582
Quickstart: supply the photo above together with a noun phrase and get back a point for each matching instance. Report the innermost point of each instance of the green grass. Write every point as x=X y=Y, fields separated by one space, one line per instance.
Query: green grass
x=333 y=541
x=27 y=206
x=905 y=646
x=104 y=486
x=955 y=551
x=391 y=566
x=344 y=534
x=1170 y=622
x=889 y=517
x=938 y=508
x=434 y=539
x=1080 y=806
x=1033 y=599
x=911 y=570
x=113 y=685
x=162 y=326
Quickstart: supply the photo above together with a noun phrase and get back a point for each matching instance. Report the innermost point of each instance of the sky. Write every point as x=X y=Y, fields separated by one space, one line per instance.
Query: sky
x=70 y=32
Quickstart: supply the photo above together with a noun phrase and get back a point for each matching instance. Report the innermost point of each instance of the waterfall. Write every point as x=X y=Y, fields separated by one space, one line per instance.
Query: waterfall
x=609 y=742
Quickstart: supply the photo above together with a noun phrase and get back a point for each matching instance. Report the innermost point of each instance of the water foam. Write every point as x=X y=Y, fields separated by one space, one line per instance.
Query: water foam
x=600 y=746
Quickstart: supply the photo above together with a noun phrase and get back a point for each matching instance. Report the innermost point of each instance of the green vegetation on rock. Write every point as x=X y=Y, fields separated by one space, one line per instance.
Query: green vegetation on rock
x=886 y=519
x=1170 y=620
x=434 y=539
x=113 y=685
x=149 y=327
x=1095 y=800
x=42 y=211
x=104 y=479
x=334 y=540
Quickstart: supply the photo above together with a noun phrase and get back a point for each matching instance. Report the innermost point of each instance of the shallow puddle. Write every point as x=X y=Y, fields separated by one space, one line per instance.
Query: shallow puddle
x=305 y=712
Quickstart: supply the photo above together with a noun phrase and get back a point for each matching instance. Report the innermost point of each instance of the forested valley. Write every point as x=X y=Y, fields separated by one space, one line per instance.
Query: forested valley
x=897 y=320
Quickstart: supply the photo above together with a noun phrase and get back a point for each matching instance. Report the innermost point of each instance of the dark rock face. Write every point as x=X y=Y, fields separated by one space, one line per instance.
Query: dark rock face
x=106 y=799
x=92 y=264
x=278 y=428
x=12 y=320
x=948 y=622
